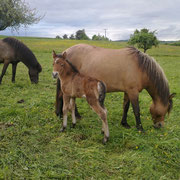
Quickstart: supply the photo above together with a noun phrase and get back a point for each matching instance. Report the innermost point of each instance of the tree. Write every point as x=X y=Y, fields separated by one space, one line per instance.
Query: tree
x=99 y=38
x=81 y=35
x=144 y=39
x=72 y=37
x=58 y=37
x=65 y=36
x=14 y=13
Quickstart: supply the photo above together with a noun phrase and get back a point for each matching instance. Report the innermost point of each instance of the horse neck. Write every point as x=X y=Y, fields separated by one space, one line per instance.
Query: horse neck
x=26 y=64
x=155 y=97
x=67 y=74
x=29 y=64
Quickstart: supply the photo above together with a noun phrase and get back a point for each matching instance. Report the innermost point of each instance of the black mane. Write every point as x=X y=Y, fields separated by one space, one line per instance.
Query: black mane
x=72 y=66
x=22 y=52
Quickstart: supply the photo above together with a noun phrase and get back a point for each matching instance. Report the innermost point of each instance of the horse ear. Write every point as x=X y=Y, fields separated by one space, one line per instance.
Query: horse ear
x=172 y=96
x=64 y=55
x=54 y=54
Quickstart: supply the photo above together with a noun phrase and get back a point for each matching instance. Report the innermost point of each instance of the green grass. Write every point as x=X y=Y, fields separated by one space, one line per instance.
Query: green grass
x=31 y=146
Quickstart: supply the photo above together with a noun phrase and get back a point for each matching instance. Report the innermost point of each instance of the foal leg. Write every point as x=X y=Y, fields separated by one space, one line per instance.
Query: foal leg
x=59 y=102
x=125 y=110
x=4 y=70
x=14 y=65
x=66 y=104
x=102 y=113
x=134 y=98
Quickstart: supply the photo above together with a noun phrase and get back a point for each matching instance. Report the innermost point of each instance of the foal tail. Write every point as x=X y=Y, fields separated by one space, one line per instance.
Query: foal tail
x=102 y=93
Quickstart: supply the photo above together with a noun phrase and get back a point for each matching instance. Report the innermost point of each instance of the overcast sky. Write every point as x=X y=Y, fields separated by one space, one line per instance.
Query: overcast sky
x=119 y=17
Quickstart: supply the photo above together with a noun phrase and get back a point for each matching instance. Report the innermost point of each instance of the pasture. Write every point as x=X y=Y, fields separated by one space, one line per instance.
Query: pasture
x=31 y=146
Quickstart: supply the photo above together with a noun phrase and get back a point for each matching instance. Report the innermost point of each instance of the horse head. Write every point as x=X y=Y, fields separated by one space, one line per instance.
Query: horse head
x=159 y=111
x=58 y=64
x=34 y=73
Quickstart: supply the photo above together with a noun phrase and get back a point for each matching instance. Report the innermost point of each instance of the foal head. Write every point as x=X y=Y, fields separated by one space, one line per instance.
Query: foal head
x=59 y=64
x=159 y=111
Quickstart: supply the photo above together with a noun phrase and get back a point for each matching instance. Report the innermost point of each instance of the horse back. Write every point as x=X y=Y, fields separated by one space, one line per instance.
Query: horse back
x=117 y=68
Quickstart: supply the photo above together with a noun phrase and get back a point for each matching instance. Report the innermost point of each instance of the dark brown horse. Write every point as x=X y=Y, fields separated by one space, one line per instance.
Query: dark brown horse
x=75 y=85
x=127 y=70
x=13 y=51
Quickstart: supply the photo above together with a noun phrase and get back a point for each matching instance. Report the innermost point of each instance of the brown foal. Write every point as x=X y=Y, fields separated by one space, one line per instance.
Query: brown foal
x=75 y=85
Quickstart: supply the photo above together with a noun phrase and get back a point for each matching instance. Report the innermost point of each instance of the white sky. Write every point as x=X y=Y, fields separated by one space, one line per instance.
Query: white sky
x=119 y=17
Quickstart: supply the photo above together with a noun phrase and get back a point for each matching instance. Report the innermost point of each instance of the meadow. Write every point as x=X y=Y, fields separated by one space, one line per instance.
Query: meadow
x=31 y=146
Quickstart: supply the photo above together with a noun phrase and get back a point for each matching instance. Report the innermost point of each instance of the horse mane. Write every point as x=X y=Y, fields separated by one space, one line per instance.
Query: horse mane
x=71 y=65
x=155 y=74
x=23 y=52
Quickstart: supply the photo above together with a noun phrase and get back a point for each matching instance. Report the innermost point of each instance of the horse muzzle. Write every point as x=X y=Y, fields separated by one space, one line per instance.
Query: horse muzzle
x=55 y=74
x=159 y=125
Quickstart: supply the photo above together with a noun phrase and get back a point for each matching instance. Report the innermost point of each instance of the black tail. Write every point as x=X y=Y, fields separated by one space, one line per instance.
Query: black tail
x=102 y=93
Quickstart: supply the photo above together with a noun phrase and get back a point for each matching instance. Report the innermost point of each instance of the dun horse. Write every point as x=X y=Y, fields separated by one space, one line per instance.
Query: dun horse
x=75 y=85
x=13 y=51
x=127 y=70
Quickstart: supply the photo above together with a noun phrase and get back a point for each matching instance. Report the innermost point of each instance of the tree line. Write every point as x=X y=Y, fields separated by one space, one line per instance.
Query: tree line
x=81 y=35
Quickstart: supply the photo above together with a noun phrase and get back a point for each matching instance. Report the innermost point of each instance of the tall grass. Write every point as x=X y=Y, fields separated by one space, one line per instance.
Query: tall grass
x=31 y=146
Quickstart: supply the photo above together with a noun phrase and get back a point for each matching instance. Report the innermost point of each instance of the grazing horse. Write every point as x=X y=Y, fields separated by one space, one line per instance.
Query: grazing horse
x=127 y=70
x=13 y=51
x=75 y=85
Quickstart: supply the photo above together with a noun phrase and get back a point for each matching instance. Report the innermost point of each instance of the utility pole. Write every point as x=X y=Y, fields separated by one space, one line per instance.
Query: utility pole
x=105 y=32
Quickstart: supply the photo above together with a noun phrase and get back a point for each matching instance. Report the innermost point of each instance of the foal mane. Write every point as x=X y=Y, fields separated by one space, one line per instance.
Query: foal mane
x=22 y=52
x=71 y=65
x=154 y=72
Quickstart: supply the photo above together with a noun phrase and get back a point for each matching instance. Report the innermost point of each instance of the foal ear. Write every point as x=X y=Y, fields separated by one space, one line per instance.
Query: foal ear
x=64 y=55
x=54 y=54
x=172 y=96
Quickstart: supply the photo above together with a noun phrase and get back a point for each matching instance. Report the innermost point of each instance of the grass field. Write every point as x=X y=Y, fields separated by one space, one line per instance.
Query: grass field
x=31 y=147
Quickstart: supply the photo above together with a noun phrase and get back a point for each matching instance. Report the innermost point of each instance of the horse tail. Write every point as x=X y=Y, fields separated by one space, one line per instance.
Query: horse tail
x=102 y=93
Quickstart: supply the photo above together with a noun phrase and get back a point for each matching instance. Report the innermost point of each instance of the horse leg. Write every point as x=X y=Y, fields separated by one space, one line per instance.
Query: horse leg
x=59 y=99
x=14 y=65
x=4 y=70
x=102 y=113
x=66 y=104
x=134 y=98
x=125 y=110
x=72 y=103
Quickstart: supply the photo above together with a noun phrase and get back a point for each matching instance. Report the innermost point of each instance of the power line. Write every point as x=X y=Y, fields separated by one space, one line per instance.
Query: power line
x=105 y=32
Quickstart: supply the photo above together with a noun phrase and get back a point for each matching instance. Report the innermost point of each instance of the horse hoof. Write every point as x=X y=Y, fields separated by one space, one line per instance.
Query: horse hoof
x=105 y=140
x=62 y=129
x=126 y=125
